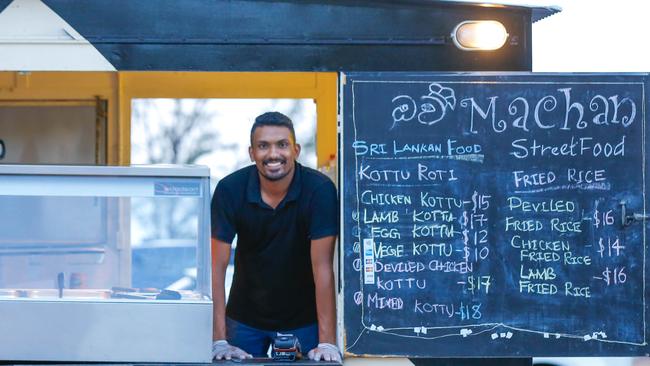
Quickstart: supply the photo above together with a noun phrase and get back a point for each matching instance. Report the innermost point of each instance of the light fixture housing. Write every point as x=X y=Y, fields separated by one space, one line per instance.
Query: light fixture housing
x=479 y=35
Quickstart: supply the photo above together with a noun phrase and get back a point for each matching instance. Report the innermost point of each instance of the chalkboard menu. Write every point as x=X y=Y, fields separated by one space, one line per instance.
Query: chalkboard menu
x=494 y=215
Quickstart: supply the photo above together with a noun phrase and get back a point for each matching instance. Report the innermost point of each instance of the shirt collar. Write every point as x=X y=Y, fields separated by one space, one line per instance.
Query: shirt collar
x=254 y=195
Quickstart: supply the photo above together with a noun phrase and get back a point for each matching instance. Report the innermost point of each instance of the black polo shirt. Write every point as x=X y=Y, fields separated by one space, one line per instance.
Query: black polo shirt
x=273 y=284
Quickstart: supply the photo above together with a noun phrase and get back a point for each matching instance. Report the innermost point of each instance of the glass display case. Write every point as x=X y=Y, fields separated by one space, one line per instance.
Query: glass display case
x=105 y=263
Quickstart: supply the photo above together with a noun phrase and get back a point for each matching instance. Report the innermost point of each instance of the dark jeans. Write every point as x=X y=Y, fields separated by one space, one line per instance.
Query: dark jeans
x=256 y=341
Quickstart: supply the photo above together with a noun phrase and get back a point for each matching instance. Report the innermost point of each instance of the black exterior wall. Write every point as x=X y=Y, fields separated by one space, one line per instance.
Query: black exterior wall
x=298 y=35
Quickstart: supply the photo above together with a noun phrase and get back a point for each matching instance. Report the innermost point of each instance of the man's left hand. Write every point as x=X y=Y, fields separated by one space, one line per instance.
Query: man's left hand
x=325 y=352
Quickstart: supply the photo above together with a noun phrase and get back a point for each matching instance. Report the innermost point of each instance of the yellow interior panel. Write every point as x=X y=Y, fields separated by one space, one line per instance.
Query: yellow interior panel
x=43 y=88
x=119 y=88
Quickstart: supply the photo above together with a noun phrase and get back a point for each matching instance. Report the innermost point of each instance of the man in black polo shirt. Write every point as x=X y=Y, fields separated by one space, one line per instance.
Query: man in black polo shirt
x=285 y=217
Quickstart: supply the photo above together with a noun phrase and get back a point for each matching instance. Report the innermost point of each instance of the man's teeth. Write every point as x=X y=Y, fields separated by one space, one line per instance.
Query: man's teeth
x=274 y=165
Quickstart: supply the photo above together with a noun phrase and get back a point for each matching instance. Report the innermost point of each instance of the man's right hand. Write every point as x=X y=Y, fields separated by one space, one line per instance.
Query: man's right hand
x=221 y=350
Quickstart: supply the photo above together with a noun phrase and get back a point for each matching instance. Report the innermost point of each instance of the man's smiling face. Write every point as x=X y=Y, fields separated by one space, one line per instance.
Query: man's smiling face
x=274 y=152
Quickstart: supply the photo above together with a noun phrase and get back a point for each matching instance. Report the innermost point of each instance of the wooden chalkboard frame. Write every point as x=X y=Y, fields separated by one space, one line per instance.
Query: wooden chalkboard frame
x=380 y=342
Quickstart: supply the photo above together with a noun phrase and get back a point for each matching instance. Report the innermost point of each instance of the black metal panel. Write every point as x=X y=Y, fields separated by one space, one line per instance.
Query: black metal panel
x=306 y=58
x=227 y=35
x=4 y=4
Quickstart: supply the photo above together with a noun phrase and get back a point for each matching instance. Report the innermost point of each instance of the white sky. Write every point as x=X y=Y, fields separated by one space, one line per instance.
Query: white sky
x=594 y=36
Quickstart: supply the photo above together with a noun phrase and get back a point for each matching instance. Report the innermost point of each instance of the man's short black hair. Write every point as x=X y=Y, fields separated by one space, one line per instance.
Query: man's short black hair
x=273 y=119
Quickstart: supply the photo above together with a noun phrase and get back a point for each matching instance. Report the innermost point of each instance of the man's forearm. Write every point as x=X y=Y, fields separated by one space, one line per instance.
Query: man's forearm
x=322 y=252
x=220 y=258
x=219 y=305
x=326 y=308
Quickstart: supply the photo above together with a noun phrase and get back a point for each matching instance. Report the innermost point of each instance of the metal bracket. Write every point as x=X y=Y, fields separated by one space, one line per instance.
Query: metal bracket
x=627 y=220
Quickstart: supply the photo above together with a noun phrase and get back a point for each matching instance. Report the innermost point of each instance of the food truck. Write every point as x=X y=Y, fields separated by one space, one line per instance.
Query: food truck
x=69 y=276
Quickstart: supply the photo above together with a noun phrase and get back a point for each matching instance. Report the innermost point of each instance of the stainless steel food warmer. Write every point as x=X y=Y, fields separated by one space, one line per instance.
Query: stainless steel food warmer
x=106 y=264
